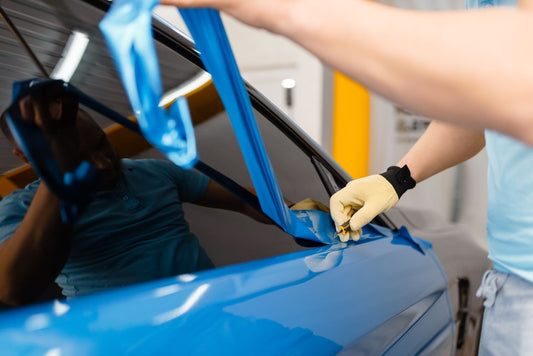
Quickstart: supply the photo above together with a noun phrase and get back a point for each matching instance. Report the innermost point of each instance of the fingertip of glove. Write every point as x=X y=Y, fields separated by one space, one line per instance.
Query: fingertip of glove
x=357 y=222
x=355 y=235
x=344 y=237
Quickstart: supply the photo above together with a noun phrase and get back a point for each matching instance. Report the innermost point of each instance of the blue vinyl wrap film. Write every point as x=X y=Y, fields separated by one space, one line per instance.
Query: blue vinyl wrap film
x=211 y=40
x=128 y=32
x=127 y=29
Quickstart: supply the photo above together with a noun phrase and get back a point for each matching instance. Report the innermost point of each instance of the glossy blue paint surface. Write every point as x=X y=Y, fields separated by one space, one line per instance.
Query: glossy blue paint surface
x=380 y=294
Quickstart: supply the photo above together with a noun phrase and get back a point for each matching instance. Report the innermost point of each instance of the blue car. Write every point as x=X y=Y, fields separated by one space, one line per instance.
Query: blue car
x=270 y=293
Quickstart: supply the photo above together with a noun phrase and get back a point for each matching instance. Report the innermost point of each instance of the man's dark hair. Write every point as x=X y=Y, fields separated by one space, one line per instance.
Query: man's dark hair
x=4 y=127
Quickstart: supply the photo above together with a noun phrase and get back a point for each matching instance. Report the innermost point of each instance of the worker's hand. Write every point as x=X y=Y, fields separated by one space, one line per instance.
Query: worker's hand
x=309 y=204
x=252 y=12
x=222 y=5
x=360 y=202
x=363 y=199
x=55 y=112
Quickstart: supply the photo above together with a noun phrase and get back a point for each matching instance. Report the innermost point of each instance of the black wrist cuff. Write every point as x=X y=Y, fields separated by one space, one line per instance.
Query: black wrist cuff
x=400 y=178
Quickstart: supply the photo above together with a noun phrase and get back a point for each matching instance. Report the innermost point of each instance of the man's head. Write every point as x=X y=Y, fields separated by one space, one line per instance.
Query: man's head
x=93 y=144
x=3 y=126
x=17 y=151
x=97 y=150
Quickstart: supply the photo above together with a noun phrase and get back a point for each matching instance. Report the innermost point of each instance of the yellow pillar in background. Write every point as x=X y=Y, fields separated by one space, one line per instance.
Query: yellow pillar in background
x=351 y=125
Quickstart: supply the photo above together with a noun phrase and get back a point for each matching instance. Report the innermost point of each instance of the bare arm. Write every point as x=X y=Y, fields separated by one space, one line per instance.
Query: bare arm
x=442 y=146
x=466 y=67
x=216 y=196
x=35 y=254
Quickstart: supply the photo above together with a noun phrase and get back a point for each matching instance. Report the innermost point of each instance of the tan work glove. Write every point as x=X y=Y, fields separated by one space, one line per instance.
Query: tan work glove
x=310 y=204
x=365 y=198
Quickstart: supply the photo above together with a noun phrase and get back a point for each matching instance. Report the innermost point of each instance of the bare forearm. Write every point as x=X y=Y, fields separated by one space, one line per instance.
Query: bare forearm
x=467 y=67
x=218 y=197
x=35 y=254
x=442 y=146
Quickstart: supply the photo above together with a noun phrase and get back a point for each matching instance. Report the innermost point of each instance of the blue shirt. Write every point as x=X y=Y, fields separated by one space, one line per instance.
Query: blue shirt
x=133 y=233
x=510 y=205
x=488 y=3
x=510 y=195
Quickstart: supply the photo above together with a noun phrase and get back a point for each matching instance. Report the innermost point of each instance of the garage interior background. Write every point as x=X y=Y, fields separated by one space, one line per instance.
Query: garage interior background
x=362 y=131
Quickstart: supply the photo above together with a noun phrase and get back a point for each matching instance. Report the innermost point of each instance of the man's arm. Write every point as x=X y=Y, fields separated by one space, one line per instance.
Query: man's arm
x=466 y=67
x=216 y=196
x=440 y=147
x=33 y=256
x=36 y=252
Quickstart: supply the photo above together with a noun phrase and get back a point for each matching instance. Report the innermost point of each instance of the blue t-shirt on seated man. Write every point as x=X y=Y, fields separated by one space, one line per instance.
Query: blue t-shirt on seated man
x=134 y=230
x=132 y=233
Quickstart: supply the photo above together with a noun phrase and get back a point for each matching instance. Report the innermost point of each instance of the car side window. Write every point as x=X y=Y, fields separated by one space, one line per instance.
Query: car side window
x=230 y=237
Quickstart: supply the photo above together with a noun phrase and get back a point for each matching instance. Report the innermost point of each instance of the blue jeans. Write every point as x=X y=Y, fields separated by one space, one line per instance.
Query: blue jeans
x=508 y=319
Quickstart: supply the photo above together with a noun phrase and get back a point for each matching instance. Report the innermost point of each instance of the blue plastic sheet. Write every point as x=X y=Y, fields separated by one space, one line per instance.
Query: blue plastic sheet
x=128 y=32
x=127 y=29
x=211 y=40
